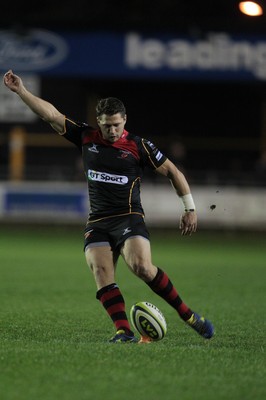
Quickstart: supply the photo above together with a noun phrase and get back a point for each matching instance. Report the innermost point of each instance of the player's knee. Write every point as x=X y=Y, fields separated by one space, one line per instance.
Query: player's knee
x=144 y=270
x=98 y=269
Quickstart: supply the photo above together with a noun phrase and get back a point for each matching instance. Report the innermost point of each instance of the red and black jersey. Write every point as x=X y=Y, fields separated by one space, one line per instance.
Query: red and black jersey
x=113 y=170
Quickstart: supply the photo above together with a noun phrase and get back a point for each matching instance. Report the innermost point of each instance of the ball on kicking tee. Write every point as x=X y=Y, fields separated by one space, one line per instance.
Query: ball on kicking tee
x=148 y=320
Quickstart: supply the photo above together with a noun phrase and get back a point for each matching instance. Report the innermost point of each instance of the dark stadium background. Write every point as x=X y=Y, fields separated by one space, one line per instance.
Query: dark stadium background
x=219 y=124
x=230 y=111
x=53 y=332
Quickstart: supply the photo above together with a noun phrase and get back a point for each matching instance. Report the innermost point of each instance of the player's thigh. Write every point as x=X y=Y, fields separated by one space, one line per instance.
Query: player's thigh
x=136 y=252
x=99 y=256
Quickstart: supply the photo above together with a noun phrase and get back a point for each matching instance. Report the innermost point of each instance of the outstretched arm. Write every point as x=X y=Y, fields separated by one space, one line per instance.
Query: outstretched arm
x=42 y=108
x=188 y=220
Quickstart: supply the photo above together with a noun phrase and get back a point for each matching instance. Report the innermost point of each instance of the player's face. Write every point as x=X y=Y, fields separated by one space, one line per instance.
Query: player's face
x=112 y=126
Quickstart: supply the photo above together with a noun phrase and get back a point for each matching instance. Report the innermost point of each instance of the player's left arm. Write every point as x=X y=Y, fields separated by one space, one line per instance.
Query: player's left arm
x=188 y=220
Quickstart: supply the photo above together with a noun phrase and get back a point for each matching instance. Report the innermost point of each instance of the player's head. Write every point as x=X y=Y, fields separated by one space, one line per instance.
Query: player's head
x=110 y=106
x=111 y=118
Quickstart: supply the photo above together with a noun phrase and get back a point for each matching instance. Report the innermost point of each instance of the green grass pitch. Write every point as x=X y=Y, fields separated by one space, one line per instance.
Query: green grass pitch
x=53 y=332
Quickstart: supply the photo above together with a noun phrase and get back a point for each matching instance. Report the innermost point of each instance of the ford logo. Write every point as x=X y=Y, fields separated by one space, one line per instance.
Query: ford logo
x=33 y=50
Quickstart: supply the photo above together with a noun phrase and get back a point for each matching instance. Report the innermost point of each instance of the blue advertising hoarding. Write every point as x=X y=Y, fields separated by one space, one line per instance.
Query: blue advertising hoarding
x=133 y=55
x=44 y=202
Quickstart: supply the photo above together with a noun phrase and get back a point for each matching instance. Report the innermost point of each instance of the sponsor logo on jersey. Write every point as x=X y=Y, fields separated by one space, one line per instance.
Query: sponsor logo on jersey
x=93 y=148
x=107 y=178
x=156 y=152
x=151 y=145
x=158 y=156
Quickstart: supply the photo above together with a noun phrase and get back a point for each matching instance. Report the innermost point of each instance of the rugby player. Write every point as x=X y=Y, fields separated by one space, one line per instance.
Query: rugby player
x=114 y=160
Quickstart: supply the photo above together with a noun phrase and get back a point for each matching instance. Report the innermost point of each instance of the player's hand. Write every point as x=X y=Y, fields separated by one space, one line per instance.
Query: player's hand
x=188 y=223
x=12 y=81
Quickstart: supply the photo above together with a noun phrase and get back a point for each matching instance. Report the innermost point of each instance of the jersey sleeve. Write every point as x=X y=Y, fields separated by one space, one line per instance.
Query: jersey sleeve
x=151 y=155
x=74 y=131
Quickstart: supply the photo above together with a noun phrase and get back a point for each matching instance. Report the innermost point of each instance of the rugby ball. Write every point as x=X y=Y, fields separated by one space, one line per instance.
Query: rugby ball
x=148 y=320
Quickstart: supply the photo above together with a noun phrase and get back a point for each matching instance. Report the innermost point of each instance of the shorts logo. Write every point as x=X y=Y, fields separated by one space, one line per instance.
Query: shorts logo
x=87 y=234
x=107 y=178
x=126 y=231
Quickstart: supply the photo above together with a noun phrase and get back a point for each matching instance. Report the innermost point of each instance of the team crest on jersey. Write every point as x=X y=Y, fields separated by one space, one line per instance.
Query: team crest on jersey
x=93 y=148
x=123 y=153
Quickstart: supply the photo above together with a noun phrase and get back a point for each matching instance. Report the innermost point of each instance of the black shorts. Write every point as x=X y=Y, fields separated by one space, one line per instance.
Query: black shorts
x=114 y=231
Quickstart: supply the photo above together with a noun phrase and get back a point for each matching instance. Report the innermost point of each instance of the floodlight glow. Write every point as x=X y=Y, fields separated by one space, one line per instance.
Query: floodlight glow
x=250 y=8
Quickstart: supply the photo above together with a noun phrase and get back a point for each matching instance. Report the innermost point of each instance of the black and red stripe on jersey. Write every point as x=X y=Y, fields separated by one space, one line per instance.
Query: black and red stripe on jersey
x=113 y=170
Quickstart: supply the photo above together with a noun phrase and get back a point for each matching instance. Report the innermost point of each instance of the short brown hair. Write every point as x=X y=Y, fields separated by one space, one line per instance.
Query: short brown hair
x=110 y=106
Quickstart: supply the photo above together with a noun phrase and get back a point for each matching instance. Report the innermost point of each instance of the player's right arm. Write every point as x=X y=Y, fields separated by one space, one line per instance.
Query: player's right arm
x=42 y=108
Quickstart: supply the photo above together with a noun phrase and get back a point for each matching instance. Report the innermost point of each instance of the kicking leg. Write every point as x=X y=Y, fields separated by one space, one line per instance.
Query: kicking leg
x=137 y=255
x=162 y=285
